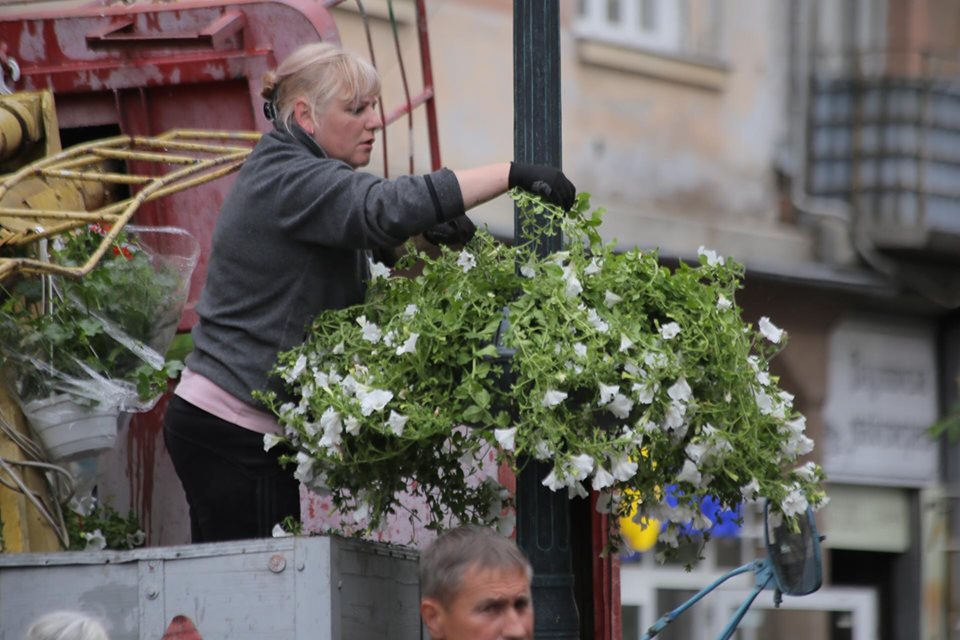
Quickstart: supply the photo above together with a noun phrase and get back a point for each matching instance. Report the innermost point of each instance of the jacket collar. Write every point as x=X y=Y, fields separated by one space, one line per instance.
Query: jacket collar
x=299 y=134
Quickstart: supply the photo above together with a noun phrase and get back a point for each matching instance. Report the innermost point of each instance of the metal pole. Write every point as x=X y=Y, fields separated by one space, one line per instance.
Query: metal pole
x=543 y=516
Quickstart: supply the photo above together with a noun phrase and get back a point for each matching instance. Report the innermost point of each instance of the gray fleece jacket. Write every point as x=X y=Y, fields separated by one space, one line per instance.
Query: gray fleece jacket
x=290 y=242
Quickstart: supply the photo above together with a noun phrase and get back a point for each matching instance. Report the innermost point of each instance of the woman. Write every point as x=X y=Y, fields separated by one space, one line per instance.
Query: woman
x=292 y=240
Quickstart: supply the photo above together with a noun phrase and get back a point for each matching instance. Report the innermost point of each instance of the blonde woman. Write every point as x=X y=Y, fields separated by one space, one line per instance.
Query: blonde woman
x=292 y=240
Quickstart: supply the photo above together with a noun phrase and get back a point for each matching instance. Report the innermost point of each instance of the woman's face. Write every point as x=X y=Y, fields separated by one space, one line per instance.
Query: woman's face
x=346 y=131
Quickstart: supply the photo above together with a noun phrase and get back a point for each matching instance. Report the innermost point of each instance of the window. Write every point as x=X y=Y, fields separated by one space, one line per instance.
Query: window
x=690 y=28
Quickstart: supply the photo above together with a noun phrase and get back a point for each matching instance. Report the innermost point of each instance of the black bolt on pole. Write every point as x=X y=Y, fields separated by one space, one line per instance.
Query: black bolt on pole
x=543 y=516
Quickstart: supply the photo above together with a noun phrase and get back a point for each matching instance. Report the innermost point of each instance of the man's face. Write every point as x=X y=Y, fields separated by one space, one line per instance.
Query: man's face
x=492 y=604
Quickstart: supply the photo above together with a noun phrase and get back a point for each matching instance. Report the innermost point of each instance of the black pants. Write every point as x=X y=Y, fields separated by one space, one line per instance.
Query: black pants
x=235 y=489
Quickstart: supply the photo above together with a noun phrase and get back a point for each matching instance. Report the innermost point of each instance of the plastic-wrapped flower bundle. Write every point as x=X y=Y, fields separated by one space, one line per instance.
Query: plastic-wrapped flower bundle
x=83 y=350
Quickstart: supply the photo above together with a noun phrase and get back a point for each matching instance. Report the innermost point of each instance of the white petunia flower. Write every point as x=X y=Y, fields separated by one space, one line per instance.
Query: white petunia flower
x=361 y=512
x=294 y=372
x=610 y=298
x=96 y=541
x=597 y=322
x=580 y=349
x=552 y=398
x=410 y=311
x=602 y=479
x=770 y=331
x=542 y=451
x=553 y=482
x=620 y=406
x=371 y=332
x=680 y=391
x=338 y=349
x=378 y=270
x=507 y=523
x=786 y=398
x=669 y=535
x=750 y=490
x=332 y=426
x=527 y=271
x=304 y=472
x=670 y=331
x=698 y=452
x=625 y=343
x=764 y=402
x=466 y=261
x=410 y=346
x=797 y=446
x=722 y=303
x=763 y=378
x=390 y=338
x=607 y=393
x=713 y=259
x=396 y=422
x=622 y=467
x=593 y=268
x=373 y=400
x=270 y=440
x=645 y=391
x=795 y=503
x=689 y=473
x=352 y=425
x=807 y=471
x=572 y=286
x=702 y=522
x=673 y=419
x=605 y=502
x=577 y=490
x=506 y=438
x=581 y=466
x=796 y=426
x=655 y=360
x=280 y=532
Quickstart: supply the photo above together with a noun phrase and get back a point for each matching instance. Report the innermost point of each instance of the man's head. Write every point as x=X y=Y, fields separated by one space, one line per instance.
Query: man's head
x=475 y=585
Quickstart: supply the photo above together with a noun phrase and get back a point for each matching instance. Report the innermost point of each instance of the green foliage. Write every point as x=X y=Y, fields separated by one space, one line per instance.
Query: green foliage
x=627 y=376
x=103 y=528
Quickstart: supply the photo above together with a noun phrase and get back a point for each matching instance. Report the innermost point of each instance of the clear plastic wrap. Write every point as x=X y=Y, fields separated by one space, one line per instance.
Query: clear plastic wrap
x=99 y=340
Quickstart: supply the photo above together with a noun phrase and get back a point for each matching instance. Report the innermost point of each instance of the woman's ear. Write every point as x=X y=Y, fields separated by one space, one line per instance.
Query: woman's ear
x=303 y=115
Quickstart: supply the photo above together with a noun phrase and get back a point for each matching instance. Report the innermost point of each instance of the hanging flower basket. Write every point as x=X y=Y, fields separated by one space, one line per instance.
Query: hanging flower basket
x=69 y=430
x=626 y=377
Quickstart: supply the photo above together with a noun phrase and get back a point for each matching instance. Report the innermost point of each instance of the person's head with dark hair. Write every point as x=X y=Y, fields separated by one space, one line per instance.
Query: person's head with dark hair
x=475 y=585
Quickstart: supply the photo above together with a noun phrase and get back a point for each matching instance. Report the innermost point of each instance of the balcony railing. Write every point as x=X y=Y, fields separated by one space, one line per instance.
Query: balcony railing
x=889 y=144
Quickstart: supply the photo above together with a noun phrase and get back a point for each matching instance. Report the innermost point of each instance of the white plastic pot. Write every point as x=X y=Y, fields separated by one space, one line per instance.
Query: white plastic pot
x=69 y=430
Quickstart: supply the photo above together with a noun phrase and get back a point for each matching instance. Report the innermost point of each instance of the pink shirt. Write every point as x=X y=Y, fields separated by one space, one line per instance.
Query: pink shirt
x=204 y=393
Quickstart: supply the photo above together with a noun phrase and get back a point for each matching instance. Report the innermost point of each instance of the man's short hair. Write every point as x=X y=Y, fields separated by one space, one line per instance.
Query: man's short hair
x=444 y=562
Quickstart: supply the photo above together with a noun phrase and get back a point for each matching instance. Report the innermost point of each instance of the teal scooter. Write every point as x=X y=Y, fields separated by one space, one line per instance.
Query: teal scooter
x=793 y=566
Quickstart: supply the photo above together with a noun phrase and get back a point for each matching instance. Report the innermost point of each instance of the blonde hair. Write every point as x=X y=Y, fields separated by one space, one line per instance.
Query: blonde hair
x=319 y=73
x=66 y=625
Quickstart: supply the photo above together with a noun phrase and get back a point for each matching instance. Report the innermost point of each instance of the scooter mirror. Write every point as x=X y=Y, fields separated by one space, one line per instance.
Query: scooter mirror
x=794 y=552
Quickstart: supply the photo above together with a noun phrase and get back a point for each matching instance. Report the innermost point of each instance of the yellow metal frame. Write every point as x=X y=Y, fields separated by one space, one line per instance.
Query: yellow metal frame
x=199 y=156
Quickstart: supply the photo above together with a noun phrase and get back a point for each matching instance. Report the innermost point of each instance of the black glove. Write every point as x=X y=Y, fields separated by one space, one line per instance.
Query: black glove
x=459 y=230
x=543 y=181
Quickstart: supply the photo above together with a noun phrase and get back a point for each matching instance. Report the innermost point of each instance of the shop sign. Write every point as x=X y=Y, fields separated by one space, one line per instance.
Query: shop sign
x=881 y=399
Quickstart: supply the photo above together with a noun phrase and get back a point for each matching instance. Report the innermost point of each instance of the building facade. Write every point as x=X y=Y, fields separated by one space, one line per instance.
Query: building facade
x=811 y=141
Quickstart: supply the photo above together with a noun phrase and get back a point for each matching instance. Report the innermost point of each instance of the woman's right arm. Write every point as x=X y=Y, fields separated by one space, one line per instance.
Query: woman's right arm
x=484 y=183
